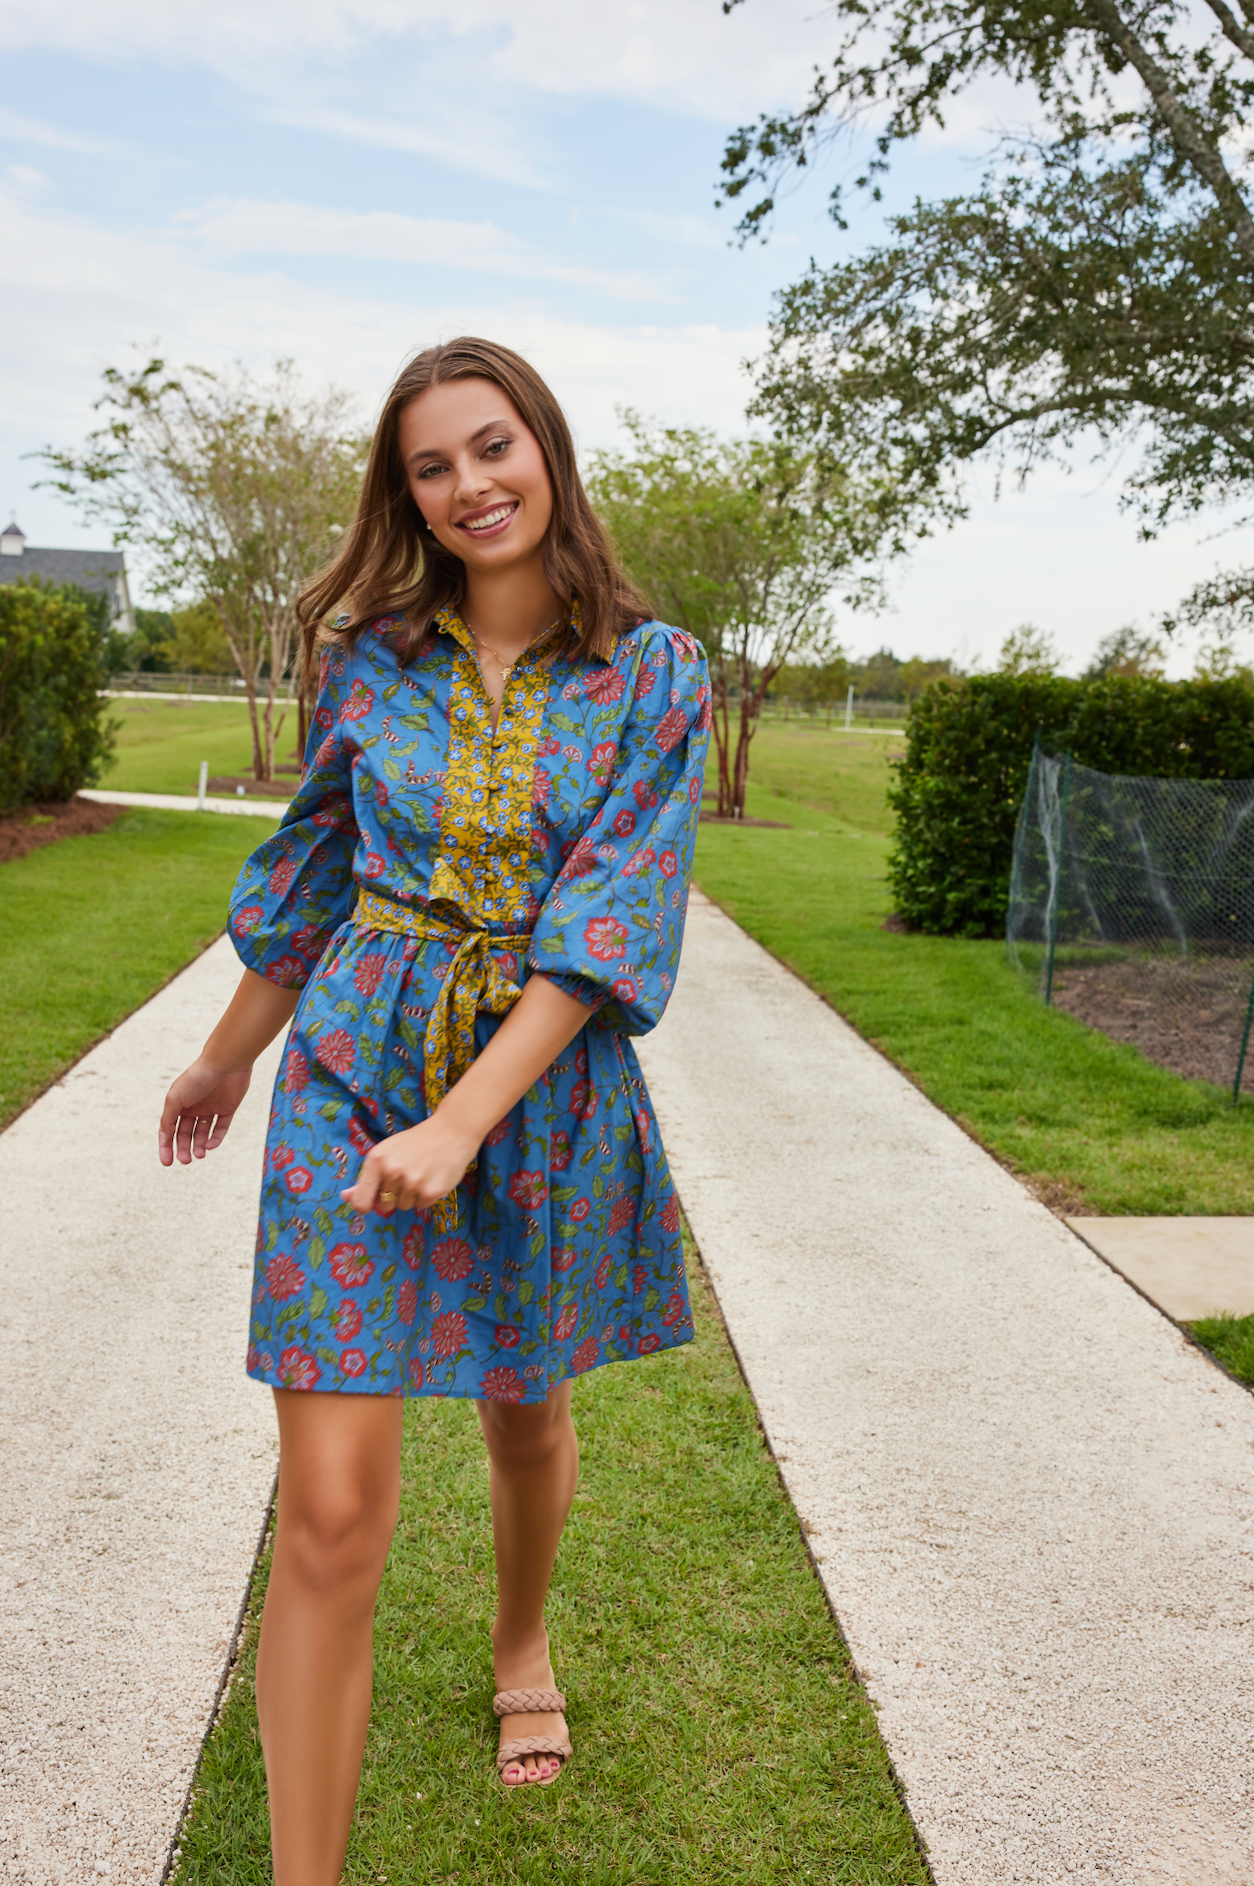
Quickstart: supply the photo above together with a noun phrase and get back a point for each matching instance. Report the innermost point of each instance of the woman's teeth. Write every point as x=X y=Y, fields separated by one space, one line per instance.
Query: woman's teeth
x=493 y=517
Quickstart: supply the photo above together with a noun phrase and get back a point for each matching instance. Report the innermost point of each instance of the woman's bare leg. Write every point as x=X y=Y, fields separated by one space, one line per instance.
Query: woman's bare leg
x=535 y=1469
x=339 y=1490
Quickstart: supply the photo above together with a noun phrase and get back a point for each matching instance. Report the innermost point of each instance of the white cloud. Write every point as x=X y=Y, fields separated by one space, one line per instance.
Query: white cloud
x=276 y=229
x=37 y=131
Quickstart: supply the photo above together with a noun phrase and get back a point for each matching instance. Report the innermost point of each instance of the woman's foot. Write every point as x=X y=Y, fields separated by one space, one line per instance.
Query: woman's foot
x=527 y=1667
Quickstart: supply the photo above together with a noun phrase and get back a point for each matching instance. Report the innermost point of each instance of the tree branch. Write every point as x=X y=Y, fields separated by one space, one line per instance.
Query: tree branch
x=1241 y=37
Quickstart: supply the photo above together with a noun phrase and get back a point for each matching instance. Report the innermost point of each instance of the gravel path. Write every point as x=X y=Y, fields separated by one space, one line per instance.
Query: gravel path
x=1030 y=1500
x=137 y=1458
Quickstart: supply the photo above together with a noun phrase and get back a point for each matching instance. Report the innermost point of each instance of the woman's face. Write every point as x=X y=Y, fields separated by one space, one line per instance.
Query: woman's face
x=477 y=474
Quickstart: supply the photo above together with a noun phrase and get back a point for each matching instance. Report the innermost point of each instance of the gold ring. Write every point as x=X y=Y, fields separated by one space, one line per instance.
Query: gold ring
x=387 y=1198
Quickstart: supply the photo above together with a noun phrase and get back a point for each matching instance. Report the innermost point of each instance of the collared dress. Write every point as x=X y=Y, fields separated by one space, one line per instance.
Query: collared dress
x=425 y=868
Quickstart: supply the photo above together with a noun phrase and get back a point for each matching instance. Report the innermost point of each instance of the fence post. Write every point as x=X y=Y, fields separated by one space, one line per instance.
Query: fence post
x=1245 y=1042
x=1062 y=841
x=849 y=710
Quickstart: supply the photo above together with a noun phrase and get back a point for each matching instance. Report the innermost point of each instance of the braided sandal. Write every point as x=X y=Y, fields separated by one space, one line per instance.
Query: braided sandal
x=530 y=1703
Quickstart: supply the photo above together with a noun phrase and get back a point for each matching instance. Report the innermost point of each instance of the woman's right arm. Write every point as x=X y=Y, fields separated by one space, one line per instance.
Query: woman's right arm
x=203 y=1101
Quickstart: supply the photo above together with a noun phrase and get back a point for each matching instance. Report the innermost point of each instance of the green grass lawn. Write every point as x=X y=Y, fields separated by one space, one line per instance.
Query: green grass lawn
x=90 y=927
x=719 y=1735
x=1089 y=1122
x=160 y=744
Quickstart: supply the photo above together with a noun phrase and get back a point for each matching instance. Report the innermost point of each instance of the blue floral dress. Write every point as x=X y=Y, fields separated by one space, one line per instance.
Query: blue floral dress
x=426 y=866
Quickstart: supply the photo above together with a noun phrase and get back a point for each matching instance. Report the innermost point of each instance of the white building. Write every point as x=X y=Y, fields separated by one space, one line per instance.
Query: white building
x=101 y=571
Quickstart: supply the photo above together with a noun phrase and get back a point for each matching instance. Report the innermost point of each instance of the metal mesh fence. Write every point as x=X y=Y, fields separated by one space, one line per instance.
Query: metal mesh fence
x=1132 y=907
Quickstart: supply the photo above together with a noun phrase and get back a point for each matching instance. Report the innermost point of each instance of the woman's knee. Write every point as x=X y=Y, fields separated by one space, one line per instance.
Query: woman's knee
x=530 y=1435
x=339 y=1489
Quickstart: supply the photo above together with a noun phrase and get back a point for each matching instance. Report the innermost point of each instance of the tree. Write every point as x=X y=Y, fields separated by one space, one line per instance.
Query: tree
x=1126 y=651
x=1028 y=650
x=55 y=730
x=740 y=542
x=235 y=490
x=1098 y=283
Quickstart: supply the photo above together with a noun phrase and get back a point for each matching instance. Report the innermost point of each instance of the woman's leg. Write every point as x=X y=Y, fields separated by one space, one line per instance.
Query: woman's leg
x=339 y=1489
x=535 y=1469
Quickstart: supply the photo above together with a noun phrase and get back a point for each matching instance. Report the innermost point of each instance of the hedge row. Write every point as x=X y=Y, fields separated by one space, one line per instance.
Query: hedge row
x=54 y=733
x=959 y=786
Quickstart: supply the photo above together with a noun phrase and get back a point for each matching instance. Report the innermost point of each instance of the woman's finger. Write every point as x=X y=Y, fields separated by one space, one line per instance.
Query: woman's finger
x=183 y=1136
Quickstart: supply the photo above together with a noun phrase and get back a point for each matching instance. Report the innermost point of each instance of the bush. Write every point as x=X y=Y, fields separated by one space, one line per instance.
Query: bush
x=959 y=786
x=54 y=736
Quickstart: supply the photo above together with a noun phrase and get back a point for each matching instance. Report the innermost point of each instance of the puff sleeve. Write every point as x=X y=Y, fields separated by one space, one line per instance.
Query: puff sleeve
x=611 y=928
x=297 y=888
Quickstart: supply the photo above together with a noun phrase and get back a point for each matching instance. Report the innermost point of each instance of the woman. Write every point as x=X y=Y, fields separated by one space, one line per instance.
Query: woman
x=464 y=1190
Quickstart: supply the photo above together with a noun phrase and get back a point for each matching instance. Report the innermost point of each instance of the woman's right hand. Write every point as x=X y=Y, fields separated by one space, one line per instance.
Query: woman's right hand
x=198 y=1111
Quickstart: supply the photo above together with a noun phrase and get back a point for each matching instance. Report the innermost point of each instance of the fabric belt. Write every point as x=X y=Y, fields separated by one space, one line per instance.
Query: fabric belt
x=472 y=983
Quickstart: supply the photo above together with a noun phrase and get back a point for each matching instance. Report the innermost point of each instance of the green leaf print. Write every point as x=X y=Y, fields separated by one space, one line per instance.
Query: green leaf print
x=526 y=1291
x=317 y=1302
x=474 y=1303
x=324 y=1221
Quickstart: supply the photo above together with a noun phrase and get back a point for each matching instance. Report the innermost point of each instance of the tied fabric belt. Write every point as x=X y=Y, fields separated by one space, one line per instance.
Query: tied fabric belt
x=473 y=982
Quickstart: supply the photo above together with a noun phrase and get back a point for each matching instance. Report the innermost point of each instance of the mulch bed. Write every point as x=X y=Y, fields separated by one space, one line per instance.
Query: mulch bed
x=34 y=825
x=228 y=784
x=769 y=825
x=1187 y=1019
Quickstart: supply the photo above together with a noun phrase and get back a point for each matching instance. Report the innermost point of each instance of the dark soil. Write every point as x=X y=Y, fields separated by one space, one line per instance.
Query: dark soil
x=228 y=784
x=770 y=825
x=35 y=825
x=1186 y=1017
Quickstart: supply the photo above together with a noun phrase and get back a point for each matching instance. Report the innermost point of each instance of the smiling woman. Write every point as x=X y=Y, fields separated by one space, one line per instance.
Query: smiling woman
x=475 y=899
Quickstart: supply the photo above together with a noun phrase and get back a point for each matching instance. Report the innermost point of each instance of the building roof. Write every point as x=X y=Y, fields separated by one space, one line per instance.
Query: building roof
x=91 y=569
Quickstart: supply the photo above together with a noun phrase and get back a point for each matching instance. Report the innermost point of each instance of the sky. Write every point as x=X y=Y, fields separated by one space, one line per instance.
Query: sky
x=344 y=181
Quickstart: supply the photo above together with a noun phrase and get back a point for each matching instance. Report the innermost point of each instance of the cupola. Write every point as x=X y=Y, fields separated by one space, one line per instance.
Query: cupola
x=12 y=541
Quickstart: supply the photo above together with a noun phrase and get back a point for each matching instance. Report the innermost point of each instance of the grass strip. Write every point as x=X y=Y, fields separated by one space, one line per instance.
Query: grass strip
x=1090 y=1123
x=719 y=1733
x=91 y=927
x=160 y=744
x=1231 y=1339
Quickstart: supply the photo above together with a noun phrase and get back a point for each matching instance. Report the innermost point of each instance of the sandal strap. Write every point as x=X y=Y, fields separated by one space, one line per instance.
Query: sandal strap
x=528 y=1702
x=520 y=1745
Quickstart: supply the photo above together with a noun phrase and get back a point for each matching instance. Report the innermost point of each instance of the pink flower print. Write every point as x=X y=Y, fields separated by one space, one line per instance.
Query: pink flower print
x=668 y=864
x=605 y=938
x=606 y=684
x=643 y=1129
x=639 y=1278
x=448 y=1333
x=281 y=876
x=347 y=1320
x=353 y=1361
x=601 y=761
x=622 y=1212
x=299 y=1180
x=571 y=753
x=674 y=1309
x=583 y=858
x=499 y=1132
x=565 y=1324
x=564 y=1259
x=374 y=866
x=585 y=1356
x=295 y=1072
x=324 y=718
x=625 y=823
x=501 y=1384
x=641 y=862
x=288 y=972
x=644 y=683
x=297 y=1369
x=325 y=753
x=580 y=1209
x=334 y=811
x=359 y=1137
x=284 y=1278
x=247 y=919
x=281 y=1156
x=541 y=786
x=359 y=703
x=411 y=1250
x=349 y=1265
x=645 y=795
x=452 y=1259
x=368 y=973
x=671 y=729
x=507 y=1337
x=407 y=1301
x=416 y=1375
x=626 y=989
x=603 y=1272
x=705 y=719
x=582 y=1102
x=528 y=1189
x=649 y=1343
x=560 y=1152
x=668 y=1217
x=548 y=747
x=336 y=1050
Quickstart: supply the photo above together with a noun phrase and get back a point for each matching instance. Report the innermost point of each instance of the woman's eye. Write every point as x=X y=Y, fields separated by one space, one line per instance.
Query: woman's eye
x=429 y=471
x=496 y=448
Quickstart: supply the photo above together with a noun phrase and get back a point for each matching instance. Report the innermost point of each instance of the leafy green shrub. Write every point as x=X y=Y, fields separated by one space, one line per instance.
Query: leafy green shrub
x=54 y=735
x=959 y=785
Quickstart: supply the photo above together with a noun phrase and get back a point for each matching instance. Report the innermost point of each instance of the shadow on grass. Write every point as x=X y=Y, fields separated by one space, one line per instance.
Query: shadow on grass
x=719 y=1732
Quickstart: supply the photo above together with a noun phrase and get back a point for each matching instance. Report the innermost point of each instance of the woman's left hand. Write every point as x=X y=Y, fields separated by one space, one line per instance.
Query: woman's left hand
x=411 y=1170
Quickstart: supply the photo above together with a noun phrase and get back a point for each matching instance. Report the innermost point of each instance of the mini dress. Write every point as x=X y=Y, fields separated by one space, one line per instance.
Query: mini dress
x=426 y=867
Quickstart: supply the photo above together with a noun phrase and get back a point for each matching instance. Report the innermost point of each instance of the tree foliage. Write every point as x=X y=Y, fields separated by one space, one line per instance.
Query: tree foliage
x=1098 y=283
x=742 y=543
x=55 y=733
x=234 y=490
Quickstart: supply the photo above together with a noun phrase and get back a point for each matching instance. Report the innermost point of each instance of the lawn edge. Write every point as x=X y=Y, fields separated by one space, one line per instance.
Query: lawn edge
x=838 y=1627
x=233 y=1652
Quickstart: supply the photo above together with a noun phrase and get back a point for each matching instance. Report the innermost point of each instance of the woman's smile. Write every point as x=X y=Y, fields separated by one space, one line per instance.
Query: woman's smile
x=490 y=521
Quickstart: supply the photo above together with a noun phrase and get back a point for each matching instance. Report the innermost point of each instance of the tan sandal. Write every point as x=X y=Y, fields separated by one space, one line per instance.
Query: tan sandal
x=530 y=1703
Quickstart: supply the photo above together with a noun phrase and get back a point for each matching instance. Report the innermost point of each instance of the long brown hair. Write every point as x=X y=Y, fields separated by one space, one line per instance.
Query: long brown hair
x=392 y=565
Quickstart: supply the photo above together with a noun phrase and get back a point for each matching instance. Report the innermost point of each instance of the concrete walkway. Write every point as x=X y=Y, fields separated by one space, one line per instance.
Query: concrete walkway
x=137 y=1457
x=1030 y=1500
x=188 y=802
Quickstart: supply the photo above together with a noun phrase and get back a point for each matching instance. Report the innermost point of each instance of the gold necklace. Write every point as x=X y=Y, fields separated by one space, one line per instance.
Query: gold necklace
x=507 y=667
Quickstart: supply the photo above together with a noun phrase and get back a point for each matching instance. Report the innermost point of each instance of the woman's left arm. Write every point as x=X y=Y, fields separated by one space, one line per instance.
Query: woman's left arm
x=426 y=1161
